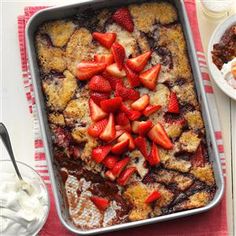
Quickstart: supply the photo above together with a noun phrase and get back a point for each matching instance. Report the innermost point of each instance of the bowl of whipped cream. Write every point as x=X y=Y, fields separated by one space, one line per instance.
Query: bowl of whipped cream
x=24 y=205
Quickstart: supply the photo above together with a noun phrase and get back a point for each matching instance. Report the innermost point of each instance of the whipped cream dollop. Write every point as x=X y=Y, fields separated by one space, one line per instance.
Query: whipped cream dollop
x=23 y=205
x=227 y=73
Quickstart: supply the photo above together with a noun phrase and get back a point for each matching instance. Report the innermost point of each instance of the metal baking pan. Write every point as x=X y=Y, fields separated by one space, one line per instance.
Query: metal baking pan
x=70 y=10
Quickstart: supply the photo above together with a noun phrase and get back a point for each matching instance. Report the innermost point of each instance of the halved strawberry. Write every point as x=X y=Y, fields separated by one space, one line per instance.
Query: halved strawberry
x=96 y=128
x=153 y=197
x=198 y=159
x=173 y=105
x=109 y=131
x=85 y=70
x=126 y=93
x=110 y=161
x=121 y=119
x=96 y=113
x=105 y=39
x=113 y=70
x=153 y=157
x=118 y=52
x=149 y=77
x=123 y=18
x=141 y=103
x=98 y=97
x=159 y=136
x=120 y=147
x=99 y=84
x=133 y=78
x=111 y=105
x=127 y=136
x=131 y=114
x=105 y=58
x=138 y=63
x=125 y=176
x=99 y=153
x=141 y=127
x=100 y=202
x=150 y=109
x=141 y=144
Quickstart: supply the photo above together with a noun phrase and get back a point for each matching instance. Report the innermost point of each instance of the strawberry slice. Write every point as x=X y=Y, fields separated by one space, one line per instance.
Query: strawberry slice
x=99 y=153
x=153 y=197
x=118 y=52
x=149 y=77
x=104 y=58
x=121 y=119
x=173 y=105
x=125 y=176
x=99 y=84
x=100 y=202
x=111 y=105
x=131 y=114
x=141 y=103
x=98 y=97
x=123 y=127
x=127 y=136
x=96 y=113
x=109 y=132
x=150 y=109
x=114 y=81
x=120 y=147
x=96 y=129
x=141 y=144
x=126 y=93
x=198 y=159
x=133 y=78
x=118 y=134
x=141 y=127
x=105 y=39
x=85 y=70
x=110 y=161
x=138 y=63
x=123 y=18
x=153 y=157
x=159 y=136
x=113 y=70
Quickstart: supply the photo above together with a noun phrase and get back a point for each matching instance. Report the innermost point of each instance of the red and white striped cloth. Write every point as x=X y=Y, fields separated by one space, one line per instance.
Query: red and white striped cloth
x=213 y=222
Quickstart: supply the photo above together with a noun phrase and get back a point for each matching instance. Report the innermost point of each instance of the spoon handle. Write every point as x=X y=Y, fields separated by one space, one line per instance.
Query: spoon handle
x=6 y=141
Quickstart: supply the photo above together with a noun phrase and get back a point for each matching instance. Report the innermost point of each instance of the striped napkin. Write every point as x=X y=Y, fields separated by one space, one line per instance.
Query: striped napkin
x=213 y=222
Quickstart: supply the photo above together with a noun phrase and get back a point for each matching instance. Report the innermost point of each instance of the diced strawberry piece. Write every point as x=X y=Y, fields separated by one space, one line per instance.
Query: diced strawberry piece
x=104 y=58
x=123 y=18
x=131 y=114
x=149 y=77
x=110 y=161
x=120 y=147
x=100 y=203
x=133 y=78
x=96 y=113
x=113 y=70
x=153 y=197
x=111 y=105
x=125 y=176
x=105 y=39
x=141 y=127
x=198 y=159
x=153 y=157
x=150 y=109
x=141 y=144
x=175 y=120
x=109 y=131
x=138 y=63
x=121 y=119
x=127 y=136
x=173 y=105
x=99 y=84
x=126 y=93
x=159 y=136
x=141 y=103
x=99 y=153
x=118 y=52
x=96 y=128
x=86 y=70
x=98 y=97
x=119 y=166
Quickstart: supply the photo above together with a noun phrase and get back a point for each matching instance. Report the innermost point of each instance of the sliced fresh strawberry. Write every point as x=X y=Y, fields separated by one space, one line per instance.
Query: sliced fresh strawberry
x=141 y=103
x=153 y=157
x=99 y=84
x=86 y=70
x=118 y=52
x=153 y=197
x=131 y=114
x=110 y=161
x=150 y=109
x=198 y=159
x=113 y=70
x=111 y=105
x=105 y=39
x=159 y=136
x=127 y=136
x=96 y=113
x=104 y=58
x=98 y=97
x=99 y=153
x=149 y=77
x=124 y=127
x=121 y=119
x=133 y=78
x=125 y=176
x=119 y=166
x=126 y=93
x=120 y=147
x=109 y=132
x=141 y=127
x=141 y=144
x=173 y=105
x=118 y=134
x=123 y=18
x=138 y=63
x=100 y=202
x=96 y=128
x=112 y=80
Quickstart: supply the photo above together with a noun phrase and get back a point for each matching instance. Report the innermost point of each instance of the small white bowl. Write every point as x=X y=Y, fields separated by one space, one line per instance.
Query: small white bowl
x=214 y=71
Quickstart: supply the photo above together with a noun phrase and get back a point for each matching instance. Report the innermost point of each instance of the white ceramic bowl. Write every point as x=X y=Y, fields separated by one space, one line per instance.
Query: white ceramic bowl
x=214 y=71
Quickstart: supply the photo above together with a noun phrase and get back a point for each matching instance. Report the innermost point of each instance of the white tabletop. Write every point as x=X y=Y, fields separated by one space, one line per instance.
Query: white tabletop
x=14 y=111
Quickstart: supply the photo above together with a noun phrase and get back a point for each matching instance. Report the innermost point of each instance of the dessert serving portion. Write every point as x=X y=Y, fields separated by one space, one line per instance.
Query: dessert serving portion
x=127 y=130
